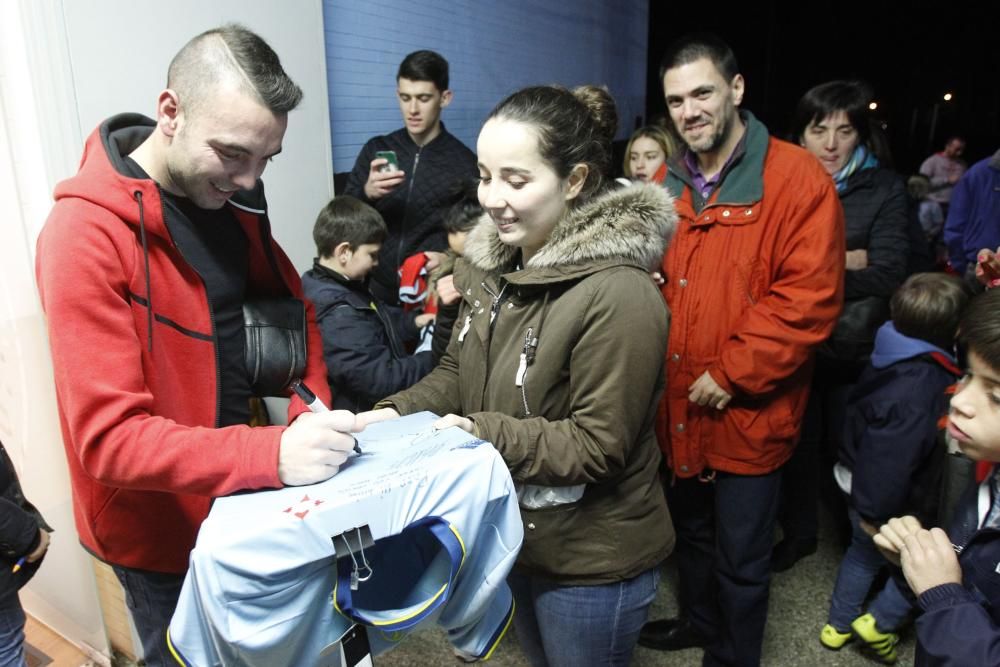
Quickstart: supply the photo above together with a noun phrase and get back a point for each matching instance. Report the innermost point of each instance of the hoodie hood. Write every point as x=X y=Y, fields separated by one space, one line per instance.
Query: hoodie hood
x=892 y=347
x=630 y=225
x=101 y=178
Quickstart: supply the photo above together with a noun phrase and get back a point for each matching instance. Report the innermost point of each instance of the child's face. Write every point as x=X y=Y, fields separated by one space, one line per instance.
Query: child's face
x=456 y=241
x=974 y=418
x=357 y=264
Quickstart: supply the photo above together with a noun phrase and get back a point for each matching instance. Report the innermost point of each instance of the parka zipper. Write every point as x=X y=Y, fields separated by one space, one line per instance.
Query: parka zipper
x=527 y=358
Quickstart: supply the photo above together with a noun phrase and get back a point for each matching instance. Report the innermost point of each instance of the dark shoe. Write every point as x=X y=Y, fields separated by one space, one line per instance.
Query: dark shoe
x=789 y=552
x=671 y=634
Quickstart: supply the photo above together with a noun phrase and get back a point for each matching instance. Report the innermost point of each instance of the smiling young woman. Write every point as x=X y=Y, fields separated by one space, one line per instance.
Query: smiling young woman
x=554 y=282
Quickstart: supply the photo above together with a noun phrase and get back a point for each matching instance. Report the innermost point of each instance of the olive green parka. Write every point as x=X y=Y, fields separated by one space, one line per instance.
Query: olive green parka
x=560 y=365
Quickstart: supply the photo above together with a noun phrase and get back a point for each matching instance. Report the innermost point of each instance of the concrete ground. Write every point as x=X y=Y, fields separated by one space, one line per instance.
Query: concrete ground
x=798 y=607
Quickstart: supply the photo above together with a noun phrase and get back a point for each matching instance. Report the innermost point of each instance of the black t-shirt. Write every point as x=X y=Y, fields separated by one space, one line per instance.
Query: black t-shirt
x=214 y=244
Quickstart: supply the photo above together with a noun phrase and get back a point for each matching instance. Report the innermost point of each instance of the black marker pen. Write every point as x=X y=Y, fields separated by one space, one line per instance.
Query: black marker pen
x=315 y=404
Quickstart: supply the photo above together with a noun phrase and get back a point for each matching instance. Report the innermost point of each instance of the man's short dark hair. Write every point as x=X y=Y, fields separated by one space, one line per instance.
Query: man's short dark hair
x=345 y=218
x=979 y=330
x=696 y=46
x=928 y=306
x=425 y=66
x=231 y=54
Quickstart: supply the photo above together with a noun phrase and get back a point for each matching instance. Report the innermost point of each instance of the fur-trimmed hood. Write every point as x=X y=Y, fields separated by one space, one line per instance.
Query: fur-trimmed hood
x=631 y=224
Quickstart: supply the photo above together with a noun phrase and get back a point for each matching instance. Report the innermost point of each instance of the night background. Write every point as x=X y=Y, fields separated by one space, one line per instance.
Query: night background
x=911 y=54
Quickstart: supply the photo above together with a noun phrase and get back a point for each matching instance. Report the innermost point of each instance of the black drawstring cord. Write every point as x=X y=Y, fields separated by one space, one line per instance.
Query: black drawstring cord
x=145 y=257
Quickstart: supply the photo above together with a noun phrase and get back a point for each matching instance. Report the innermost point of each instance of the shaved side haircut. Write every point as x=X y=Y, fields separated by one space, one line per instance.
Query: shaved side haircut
x=231 y=55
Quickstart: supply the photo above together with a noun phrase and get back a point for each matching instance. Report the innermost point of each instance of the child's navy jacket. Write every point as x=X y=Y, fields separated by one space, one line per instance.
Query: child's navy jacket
x=960 y=624
x=362 y=341
x=891 y=429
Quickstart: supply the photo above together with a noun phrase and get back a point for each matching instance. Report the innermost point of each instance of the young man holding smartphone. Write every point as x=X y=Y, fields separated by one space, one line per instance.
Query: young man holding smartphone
x=430 y=165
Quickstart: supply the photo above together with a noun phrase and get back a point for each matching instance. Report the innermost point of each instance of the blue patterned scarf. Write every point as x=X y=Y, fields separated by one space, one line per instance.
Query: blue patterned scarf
x=860 y=160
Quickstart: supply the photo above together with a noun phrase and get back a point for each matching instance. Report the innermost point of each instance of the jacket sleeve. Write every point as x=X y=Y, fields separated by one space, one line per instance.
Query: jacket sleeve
x=612 y=387
x=776 y=335
x=954 y=226
x=955 y=630
x=18 y=531
x=444 y=324
x=355 y=186
x=888 y=247
x=890 y=449
x=404 y=321
x=106 y=406
x=358 y=366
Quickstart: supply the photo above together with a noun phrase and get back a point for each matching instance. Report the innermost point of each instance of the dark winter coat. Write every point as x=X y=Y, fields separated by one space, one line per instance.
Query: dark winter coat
x=413 y=211
x=960 y=623
x=891 y=429
x=580 y=410
x=363 y=341
x=876 y=219
x=19 y=524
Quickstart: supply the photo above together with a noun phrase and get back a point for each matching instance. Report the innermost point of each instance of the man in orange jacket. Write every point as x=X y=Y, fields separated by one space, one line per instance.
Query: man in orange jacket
x=753 y=278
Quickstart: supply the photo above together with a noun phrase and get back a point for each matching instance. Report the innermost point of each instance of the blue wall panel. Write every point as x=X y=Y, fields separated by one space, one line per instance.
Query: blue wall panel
x=493 y=49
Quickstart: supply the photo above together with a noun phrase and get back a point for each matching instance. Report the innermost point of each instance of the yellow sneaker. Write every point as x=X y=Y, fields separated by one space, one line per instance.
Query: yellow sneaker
x=832 y=638
x=883 y=644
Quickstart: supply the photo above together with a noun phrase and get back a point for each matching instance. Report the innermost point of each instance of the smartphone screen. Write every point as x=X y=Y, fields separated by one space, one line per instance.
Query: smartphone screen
x=392 y=164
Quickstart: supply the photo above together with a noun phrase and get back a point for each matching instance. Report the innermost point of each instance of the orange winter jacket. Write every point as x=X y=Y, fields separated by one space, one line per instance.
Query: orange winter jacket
x=754 y=280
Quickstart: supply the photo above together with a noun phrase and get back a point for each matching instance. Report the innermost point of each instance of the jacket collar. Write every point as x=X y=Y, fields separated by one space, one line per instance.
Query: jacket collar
x=630 y=225
x=743 y=182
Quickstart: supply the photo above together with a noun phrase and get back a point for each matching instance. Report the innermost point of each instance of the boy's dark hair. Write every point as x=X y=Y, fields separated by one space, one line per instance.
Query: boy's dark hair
x=425 y=66
x=696 y=46
x=345 y=218
x=928 y=306
x=979 y=330
x=466 y=211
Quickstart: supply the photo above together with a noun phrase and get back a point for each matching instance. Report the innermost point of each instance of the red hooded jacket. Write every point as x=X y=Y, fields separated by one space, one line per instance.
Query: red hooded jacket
x=135 y=359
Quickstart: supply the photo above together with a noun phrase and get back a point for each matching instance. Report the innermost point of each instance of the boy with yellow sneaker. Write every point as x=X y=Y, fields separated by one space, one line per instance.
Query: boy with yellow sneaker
x=889 y=457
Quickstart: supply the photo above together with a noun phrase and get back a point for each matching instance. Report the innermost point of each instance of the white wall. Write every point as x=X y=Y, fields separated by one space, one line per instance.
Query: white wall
x=120 y=50
x=65 y=65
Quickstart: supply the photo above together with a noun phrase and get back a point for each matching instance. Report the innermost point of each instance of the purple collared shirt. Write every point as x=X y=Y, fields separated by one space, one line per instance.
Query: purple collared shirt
x=705 y=185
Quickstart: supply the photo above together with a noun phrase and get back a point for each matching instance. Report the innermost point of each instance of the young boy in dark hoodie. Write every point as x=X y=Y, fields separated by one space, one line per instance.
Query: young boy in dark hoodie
x=363 y=339
x=955 y=573
x=887 y=457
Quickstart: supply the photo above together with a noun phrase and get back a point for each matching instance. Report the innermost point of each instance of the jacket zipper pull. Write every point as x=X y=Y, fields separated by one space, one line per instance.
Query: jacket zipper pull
x=527 y=357
x=522 y=368
x=465 y=328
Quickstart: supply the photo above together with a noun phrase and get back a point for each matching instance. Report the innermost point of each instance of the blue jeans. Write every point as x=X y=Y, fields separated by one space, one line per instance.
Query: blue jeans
x=858 y=569
x=569 y=626
x=151 y=598
x=12 y=633
x=725 y=530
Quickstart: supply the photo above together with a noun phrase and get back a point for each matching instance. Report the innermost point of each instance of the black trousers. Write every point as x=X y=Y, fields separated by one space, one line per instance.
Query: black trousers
x=725 y=531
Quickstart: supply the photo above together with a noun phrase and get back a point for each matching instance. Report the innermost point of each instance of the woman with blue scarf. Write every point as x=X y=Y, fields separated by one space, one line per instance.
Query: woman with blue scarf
x=832 y=122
